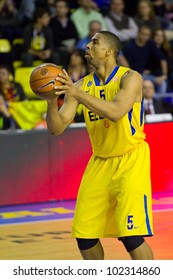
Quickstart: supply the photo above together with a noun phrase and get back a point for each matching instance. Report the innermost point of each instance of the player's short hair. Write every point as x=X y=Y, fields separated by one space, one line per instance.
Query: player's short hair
x=113 y=41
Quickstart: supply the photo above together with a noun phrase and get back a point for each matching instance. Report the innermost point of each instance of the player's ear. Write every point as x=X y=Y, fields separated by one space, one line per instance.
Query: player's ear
x=108 y=52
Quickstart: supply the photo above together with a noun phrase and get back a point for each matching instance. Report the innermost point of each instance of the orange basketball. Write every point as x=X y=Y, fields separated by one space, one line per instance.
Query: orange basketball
x=42 y=80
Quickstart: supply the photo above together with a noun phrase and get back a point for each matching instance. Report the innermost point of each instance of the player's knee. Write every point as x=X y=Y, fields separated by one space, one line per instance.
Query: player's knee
x=84 y=244
x=132 y=242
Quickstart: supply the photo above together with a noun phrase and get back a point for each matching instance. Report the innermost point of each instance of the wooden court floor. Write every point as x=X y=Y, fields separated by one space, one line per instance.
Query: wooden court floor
x=51 y=240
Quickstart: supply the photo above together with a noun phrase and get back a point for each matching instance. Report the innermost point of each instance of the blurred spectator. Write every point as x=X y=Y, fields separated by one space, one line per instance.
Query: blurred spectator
x=159 y=7
x=38 y=40
x=169 y=9
x=49 y=5
x=94 y=27
x=122 y=61
x=9 y=23
x=119 y=23
x=164 y=45
x=25 y=11
x=83 y=15
x=64 y=31
x=77 y=68
x=139 y=51
x=10 y=91
x=152 y=105
x=146 y=15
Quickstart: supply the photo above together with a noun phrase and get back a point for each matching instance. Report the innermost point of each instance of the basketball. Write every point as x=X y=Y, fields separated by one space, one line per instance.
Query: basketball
x=42 y=80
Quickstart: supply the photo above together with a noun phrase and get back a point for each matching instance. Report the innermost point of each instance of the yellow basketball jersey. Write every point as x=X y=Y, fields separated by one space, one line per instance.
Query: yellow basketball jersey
x=110 y=139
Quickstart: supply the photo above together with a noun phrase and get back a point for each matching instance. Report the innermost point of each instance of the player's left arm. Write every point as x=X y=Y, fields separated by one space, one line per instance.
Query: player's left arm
x=129 y=93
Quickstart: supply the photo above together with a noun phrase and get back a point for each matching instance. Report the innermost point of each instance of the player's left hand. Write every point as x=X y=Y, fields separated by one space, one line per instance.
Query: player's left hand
x=67 y=86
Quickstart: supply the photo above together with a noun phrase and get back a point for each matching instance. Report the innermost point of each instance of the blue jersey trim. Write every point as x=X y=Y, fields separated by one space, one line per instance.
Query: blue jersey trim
x=130 y=120
x=97 y=83
x=96 y=80
x=147 y=217
x=112 y=74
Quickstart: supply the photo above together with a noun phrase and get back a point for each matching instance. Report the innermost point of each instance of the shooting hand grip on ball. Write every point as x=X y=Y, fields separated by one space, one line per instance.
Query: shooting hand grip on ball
x=43 y=80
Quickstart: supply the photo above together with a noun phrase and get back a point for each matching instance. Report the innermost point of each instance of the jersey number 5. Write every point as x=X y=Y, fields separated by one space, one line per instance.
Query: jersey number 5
x=102 y=95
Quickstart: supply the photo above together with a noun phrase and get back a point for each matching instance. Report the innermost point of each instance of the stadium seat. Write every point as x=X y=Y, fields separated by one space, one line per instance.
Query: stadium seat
x=22 y=76
x=18 y=48
x=18 y=41
x=17 y=64
x=5 y=46
x=37 y=62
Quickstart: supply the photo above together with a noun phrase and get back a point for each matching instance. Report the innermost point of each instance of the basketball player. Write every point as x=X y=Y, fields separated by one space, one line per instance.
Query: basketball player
x=114 y=198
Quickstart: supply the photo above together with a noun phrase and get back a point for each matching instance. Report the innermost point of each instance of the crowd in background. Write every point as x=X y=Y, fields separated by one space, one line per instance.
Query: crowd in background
x=58 y=31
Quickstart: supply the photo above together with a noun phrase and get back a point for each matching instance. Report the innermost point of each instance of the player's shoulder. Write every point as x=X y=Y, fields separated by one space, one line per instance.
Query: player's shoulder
x=132 y=76
x=131 y=73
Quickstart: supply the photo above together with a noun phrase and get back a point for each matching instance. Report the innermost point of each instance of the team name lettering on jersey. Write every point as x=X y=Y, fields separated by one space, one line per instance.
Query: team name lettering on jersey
x=94 y=117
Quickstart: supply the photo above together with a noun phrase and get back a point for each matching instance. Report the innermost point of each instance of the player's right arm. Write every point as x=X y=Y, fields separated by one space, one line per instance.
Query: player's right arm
x=58 y=121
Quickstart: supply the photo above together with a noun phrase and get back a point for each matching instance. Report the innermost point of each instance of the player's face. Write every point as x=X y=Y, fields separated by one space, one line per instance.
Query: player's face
x=96 y=49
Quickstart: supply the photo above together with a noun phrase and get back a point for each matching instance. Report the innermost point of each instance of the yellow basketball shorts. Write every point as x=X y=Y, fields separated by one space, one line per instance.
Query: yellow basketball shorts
x=114 y=198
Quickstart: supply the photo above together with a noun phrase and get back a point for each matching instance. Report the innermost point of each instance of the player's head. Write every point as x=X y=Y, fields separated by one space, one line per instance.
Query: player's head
x=113 y=41
x=103 y=46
